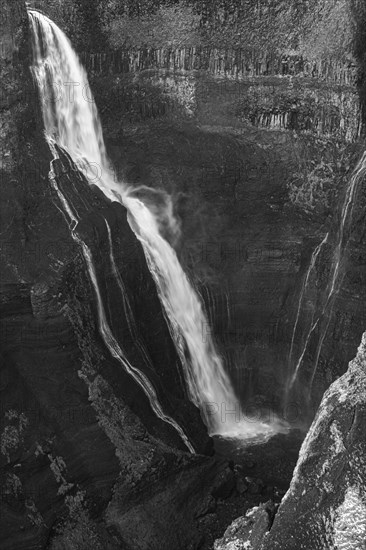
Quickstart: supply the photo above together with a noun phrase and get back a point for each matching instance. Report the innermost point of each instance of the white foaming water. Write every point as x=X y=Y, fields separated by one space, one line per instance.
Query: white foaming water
x=208 y=384
x=69 y=112
x=71 y=120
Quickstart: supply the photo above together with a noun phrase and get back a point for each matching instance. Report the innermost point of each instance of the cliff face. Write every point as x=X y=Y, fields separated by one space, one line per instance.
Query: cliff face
x=84 y=459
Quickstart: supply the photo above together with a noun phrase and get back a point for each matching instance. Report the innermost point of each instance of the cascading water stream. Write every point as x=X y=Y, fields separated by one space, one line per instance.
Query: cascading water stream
x=69 y=112
x=312 y=265
x=126 y=303
x=304 y=287
x=72 y=121
x=104 y=329
x=208 y=383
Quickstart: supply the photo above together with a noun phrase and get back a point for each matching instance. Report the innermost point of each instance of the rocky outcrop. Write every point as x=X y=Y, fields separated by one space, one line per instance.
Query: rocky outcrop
x=325 y=504
x=247 y=532
x=147 y=344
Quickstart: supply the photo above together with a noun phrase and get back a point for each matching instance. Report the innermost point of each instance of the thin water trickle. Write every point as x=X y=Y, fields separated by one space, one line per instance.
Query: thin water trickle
x=304 y=287
x=293 y=376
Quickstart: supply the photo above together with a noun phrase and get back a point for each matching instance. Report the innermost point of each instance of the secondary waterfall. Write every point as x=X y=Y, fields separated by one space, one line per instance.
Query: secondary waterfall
x=71 y=119
x=323 y=319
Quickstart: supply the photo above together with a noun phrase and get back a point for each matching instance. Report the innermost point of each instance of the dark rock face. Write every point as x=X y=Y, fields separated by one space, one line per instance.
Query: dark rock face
x=359 y=13
x=85 y=462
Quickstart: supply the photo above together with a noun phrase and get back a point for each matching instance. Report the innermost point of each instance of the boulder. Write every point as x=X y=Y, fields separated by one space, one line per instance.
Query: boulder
x=247 y=532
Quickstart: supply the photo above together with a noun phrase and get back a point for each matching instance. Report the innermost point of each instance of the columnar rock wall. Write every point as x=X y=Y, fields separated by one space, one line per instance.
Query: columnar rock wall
x=230 y=63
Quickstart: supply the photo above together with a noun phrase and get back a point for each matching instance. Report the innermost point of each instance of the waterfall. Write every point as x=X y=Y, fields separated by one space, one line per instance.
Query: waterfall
x=69 y=112
x=208 y=384
x=71 y=119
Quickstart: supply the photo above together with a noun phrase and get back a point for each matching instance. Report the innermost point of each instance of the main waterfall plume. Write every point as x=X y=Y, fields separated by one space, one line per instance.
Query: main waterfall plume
x=71 y=120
